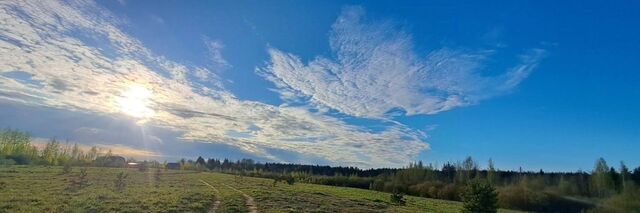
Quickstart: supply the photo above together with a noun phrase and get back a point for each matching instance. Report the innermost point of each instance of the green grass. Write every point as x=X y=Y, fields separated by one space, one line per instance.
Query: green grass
x=45 y=189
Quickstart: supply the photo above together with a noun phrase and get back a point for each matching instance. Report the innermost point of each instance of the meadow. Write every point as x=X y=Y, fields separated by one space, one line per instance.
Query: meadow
x=52 y=189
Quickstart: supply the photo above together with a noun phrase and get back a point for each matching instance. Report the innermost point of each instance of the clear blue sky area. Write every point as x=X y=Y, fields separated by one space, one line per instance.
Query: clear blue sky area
x=576 y=97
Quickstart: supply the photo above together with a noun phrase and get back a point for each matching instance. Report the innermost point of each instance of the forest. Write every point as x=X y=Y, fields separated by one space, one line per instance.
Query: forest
x=605 y=188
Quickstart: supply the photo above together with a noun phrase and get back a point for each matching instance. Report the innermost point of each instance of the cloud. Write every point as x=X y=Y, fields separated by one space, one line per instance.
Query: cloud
x=215 y=50
x=76 y=58
x=156 y=19
x=375 y=72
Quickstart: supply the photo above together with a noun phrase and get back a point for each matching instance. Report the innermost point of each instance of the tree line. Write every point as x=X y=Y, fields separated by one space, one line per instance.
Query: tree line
x=605 y=188
x=16 y=148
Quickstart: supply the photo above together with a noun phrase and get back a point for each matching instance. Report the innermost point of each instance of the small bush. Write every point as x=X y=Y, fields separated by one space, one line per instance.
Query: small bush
x=66 y=169
x=627 y=201
x=7 y=162
x=397 y=198
x=449 y=192
x=480 y=198
x=283 y=178
x=20 y=158
x=290 y=180
x=79 y=182
x=119 y=184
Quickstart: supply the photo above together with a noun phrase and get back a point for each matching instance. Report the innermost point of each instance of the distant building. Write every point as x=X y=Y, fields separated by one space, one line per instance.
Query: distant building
x=173 y=166
x=132 y=165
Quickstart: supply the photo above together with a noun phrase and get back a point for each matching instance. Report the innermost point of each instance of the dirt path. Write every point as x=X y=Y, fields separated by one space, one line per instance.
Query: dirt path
x=249 y=202
x=216 y=202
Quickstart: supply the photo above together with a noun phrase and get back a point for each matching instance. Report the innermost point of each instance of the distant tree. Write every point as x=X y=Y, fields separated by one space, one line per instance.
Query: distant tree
x=480 y=198
x=492 y=176
x=76 y=152
x=449 y=172
x=93 y=153
x=183 y=163
x=211 y=163
x=467 y=170
x=625 y=176
x=51 y=152
x=601 y=178
x=616 y=180
x=200 y=161
x=635 y=176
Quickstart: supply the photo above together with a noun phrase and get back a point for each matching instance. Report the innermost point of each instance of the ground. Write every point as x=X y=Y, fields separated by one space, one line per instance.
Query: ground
x=49 y=189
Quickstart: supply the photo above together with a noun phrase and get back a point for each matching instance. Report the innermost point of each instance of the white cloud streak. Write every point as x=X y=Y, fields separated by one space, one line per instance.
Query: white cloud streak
x=82 y=61
x=375 y=73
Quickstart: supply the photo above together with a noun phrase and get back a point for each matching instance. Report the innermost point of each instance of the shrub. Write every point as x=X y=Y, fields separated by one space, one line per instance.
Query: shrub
x=449 y=192
x=119 y=184
x=290 y=180
x=397 y=198
x=627 y=201
x=79 y=182
x=20 y=159
x=66 y=169
x=284 y=178
x=7 y=162
x=480 y=198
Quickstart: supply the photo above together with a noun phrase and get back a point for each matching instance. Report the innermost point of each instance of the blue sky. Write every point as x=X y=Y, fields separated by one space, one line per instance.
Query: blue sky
x=542 y=85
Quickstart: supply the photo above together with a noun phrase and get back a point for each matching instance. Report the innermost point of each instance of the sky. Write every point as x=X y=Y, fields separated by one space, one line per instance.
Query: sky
x=532 y=84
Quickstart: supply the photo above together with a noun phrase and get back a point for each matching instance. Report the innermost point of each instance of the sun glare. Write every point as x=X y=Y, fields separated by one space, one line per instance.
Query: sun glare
x=135 y=102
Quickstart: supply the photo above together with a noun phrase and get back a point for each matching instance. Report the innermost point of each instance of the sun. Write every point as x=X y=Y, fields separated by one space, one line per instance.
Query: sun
x=135 y=101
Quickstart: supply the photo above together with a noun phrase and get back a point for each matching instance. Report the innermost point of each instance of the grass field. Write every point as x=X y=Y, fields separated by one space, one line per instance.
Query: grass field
x=47 y=189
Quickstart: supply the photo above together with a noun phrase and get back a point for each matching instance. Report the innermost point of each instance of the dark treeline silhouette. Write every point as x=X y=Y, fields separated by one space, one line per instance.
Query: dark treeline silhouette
x=249 y=165
x=603 y=189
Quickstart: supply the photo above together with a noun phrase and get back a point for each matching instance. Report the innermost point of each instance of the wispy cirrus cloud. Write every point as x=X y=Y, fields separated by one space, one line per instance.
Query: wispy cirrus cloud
x=74 y=56
x=375 y=72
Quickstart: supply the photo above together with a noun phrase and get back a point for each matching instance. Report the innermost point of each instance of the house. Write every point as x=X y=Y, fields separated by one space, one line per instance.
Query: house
x=173 y=166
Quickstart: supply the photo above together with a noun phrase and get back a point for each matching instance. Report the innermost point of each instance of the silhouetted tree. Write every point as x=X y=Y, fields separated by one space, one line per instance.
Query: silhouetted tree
x=200 y=161
x=492 y=176
x=601 y=178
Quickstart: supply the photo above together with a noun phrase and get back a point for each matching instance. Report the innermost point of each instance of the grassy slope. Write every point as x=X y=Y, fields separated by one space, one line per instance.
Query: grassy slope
x=41 y=189
x=36 y=189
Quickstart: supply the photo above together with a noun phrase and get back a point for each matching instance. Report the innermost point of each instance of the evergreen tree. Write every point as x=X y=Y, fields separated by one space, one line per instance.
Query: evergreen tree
x=625 y=176
x=200 y=161
x=480 y=198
